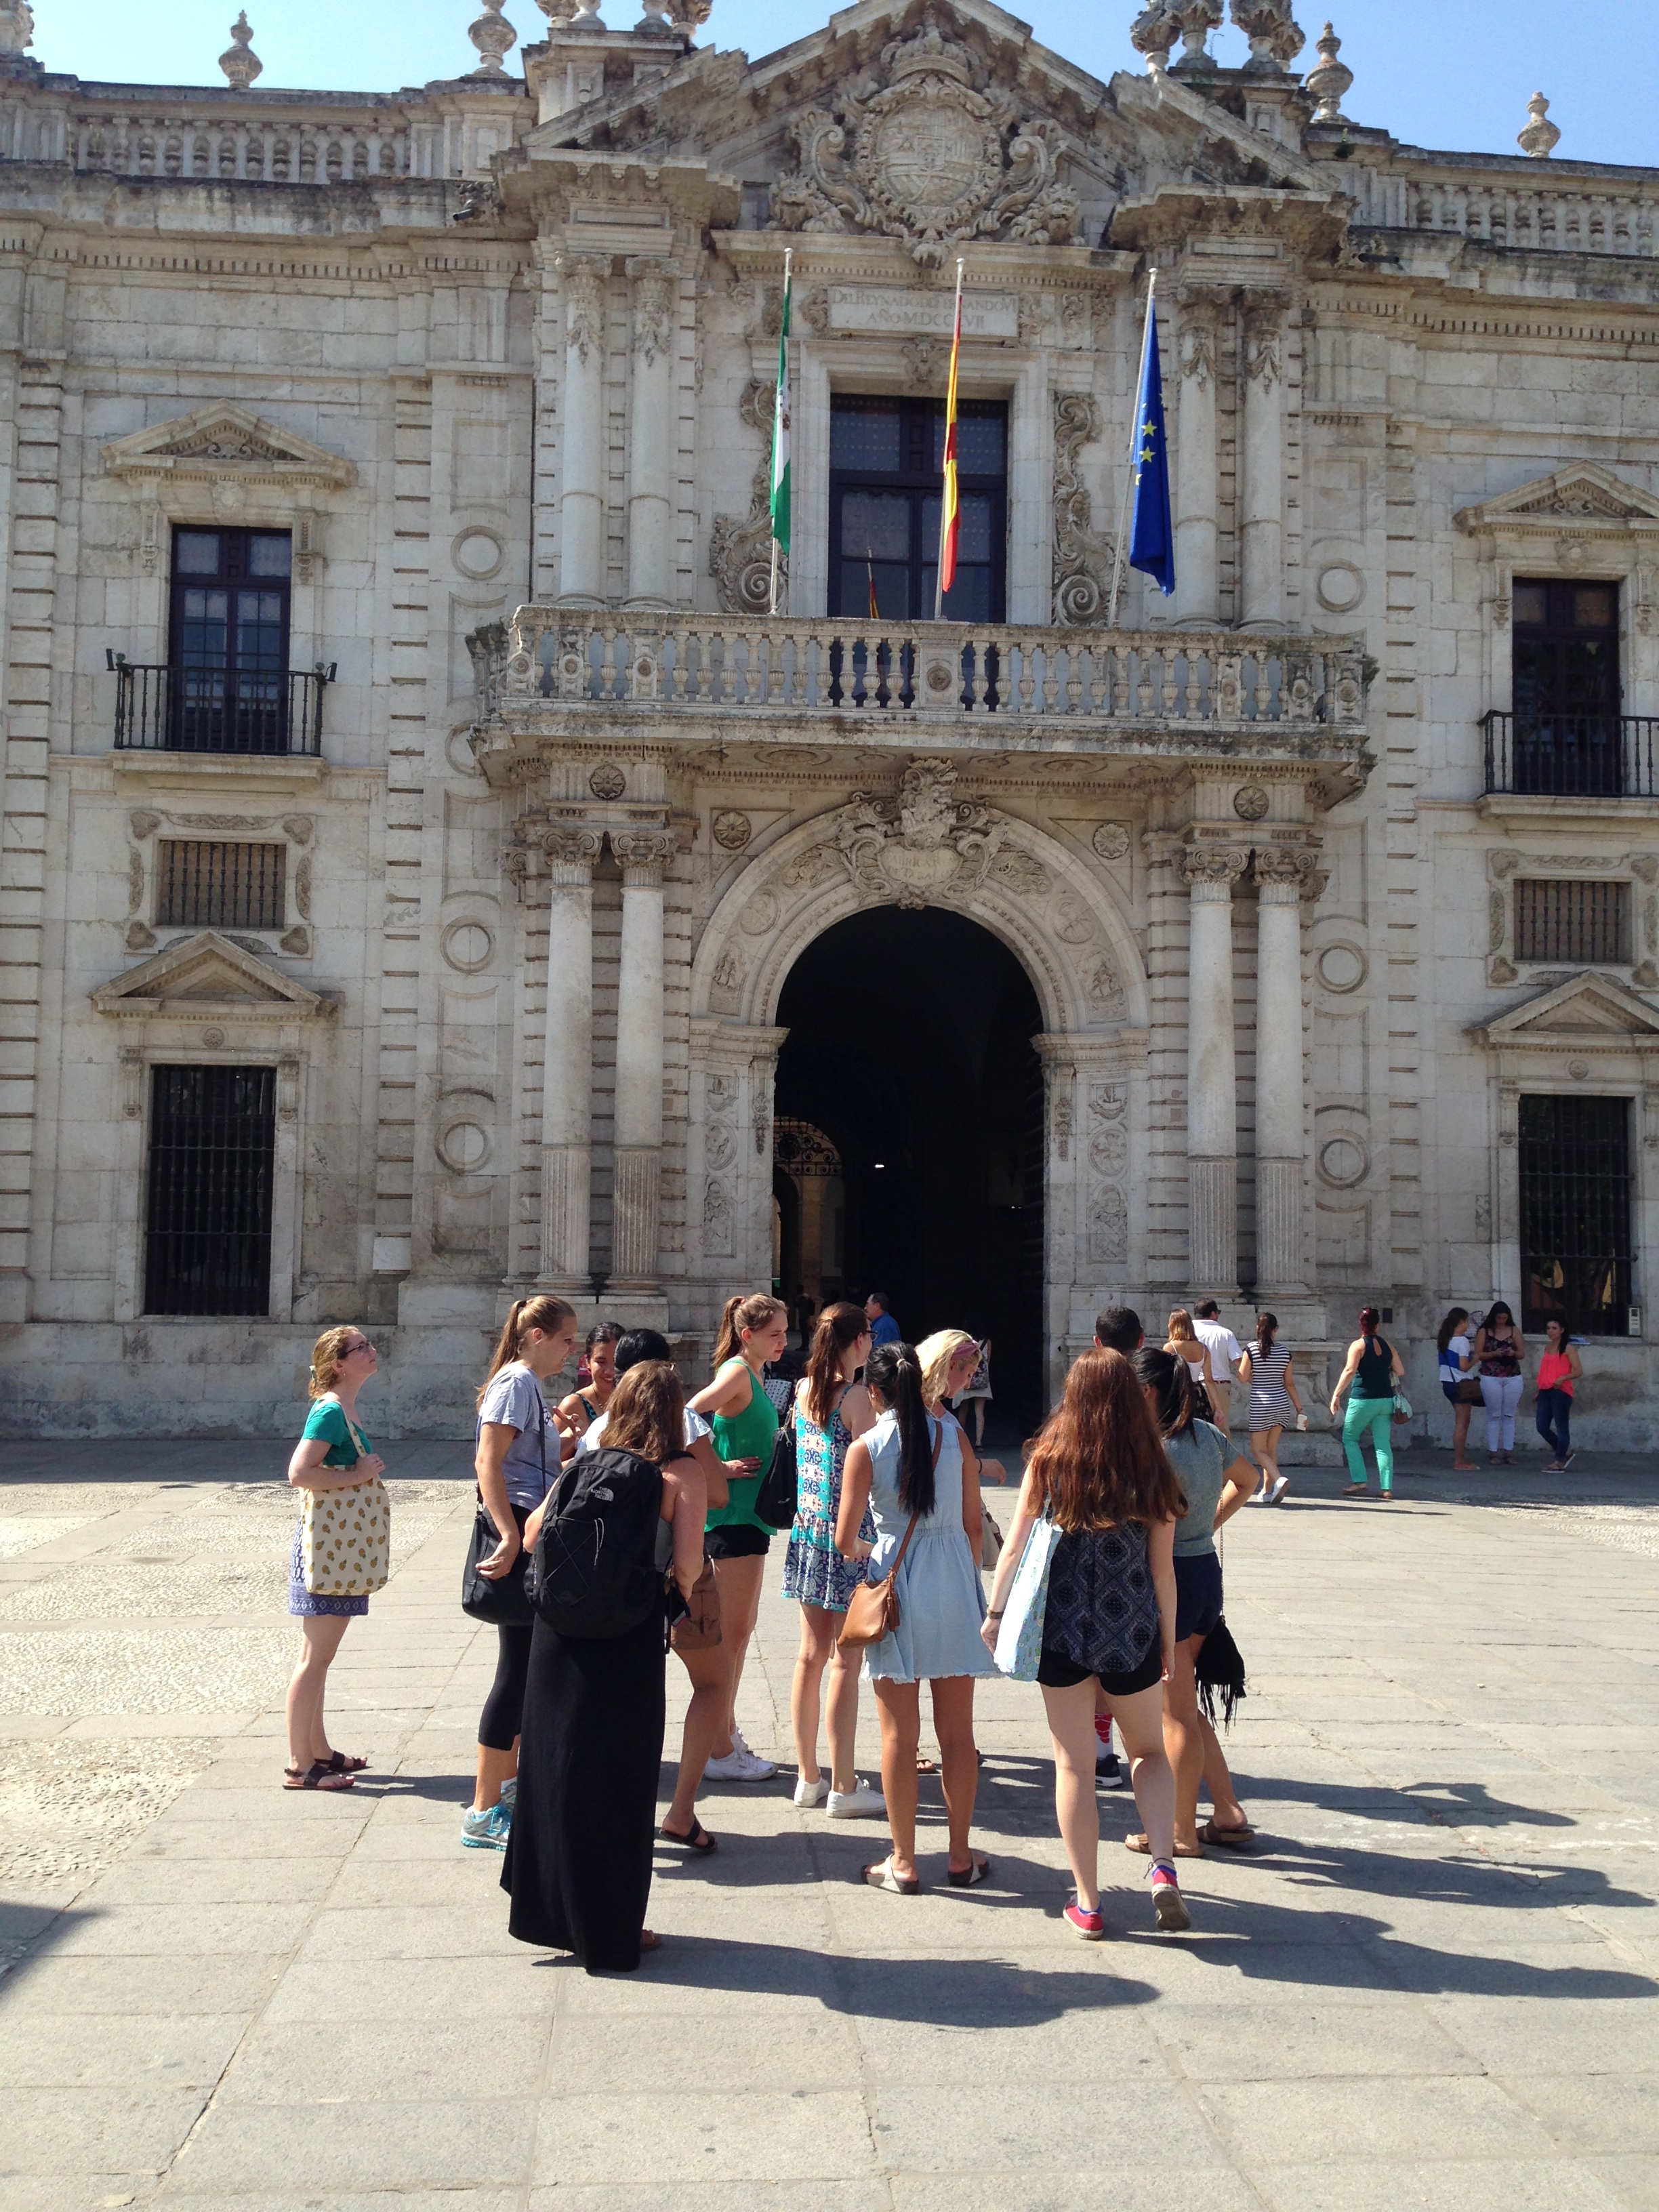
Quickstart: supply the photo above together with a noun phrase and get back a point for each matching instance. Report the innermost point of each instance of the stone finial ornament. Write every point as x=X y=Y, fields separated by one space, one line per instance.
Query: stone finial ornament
x=239 y=61
x=1274 y=35
x=1197 y=19
x=16 y=26
x=1153 y=33
x=492 y=37
x=1541 y=137
x=1330 y=80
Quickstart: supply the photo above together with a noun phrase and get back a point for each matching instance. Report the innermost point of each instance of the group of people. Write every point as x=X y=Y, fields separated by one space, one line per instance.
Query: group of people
x=1485 y=1361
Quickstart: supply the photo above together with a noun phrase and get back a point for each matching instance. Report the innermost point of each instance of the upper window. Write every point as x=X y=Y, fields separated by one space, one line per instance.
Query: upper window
x=1567 y=736
x=229 y=643
x=886 y=466
x=213 y=886
x=1562 y=918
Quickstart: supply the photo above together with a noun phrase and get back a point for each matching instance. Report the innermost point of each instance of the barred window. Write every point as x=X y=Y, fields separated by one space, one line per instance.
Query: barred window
x=212 y=1148
x=213 y=886
x=1558 y=918
x=1575 y=1188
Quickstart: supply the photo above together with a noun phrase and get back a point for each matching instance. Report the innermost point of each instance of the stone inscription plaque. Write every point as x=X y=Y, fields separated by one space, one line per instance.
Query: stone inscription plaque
x=886 y=307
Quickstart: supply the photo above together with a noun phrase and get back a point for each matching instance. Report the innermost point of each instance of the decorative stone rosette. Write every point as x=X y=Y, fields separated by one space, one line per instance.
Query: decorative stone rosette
x=345 y=1546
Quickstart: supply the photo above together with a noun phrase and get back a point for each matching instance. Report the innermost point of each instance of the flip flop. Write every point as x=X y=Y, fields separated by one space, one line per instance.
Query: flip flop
x=881 y=1876
x=1229 y=1839
x=1357 y=1490
x=341 y=1762
x=648 y=1941
x=1144 y=1849
x=971 y=1875
x=698 y=1840
x=925 y=1765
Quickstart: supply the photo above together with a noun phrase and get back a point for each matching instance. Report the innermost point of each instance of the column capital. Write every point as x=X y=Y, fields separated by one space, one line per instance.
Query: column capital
x=1264 y=325
x=644 y=854
x=1196 y=338
x=1210 y=872
x=1282 y=872
x=584 y=276
x=653 y=287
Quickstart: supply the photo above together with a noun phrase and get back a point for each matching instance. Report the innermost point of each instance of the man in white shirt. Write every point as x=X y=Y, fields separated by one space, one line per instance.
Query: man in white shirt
x=1226 y=1353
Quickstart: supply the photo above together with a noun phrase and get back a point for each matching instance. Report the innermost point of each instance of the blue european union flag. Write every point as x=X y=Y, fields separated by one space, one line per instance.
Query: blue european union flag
x=1152 y=536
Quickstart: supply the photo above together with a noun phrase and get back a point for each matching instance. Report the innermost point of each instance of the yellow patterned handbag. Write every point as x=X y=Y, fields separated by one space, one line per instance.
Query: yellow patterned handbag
x=346 y=1543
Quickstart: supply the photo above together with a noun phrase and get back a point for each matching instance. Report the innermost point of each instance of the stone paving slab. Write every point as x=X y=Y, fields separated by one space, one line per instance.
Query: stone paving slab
x=1432 y=1986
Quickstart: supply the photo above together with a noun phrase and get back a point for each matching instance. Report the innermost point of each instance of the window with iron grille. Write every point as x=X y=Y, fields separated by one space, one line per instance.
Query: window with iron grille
x=212 y=1145
x=1561 y=918
x=212 y=886
x=1576 y=1214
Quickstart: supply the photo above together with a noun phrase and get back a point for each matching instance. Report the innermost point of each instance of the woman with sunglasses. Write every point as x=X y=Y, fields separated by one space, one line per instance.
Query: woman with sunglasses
x=332 y=1454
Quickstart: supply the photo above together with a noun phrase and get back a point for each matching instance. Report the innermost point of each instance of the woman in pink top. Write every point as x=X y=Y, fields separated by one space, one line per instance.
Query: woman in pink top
x=1558 y=1369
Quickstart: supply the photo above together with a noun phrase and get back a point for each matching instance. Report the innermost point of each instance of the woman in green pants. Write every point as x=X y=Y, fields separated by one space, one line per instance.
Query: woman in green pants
x=1374 y=1369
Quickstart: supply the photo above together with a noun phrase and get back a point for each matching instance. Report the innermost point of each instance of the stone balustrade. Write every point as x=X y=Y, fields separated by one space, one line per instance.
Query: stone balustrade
x=1554 y=213
x=934 y=671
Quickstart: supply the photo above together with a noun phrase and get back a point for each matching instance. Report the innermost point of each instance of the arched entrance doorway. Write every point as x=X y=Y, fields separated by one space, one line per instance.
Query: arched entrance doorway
x=909 y=1131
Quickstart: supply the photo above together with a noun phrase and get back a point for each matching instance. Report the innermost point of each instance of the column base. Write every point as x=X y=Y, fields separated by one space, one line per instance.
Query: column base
x=635 y=1182
x=567 y=1182
x=1213 y=1226
x=1281 y=1264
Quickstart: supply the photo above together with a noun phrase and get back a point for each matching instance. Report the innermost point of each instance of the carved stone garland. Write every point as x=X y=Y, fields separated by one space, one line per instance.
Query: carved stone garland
x=916 y=152
x=740 y=551
x=1108 y=1208
x=1083 y=556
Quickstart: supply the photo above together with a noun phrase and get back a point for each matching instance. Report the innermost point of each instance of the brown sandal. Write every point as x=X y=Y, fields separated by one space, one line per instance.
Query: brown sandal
x=342 y=1762
x=1139 y=1845
x=319 y=1774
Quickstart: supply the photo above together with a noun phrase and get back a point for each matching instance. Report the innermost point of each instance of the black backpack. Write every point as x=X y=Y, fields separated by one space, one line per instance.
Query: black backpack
x=599 y=1558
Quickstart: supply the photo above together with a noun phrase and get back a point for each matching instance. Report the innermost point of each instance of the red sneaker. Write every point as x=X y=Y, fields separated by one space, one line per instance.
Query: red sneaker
x=1090 y=1926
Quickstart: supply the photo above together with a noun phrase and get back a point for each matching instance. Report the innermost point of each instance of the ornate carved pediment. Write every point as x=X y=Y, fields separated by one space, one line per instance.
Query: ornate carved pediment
x=1589 y=500
x=223 y=441
x=210 y=976
x=927 y=843
x=1587 y=1011
x=919 y=150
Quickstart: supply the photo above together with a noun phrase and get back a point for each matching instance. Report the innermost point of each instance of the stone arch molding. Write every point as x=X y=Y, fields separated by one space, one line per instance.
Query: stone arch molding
x=931 y=844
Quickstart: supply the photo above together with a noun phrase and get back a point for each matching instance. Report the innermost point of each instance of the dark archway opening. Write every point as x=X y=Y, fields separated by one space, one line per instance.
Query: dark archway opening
x=910 y=1049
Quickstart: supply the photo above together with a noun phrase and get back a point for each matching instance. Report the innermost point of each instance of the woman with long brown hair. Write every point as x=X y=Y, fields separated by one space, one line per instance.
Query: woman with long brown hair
x=1098 y=1471
x=516 y=1455
x=753 y=1331
x=578 y=1866
x=831 y=1409
x=586 y=1404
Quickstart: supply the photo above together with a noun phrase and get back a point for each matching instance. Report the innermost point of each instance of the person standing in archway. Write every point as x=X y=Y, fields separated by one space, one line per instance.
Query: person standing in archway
x=884 y=1329
x=753 y=1331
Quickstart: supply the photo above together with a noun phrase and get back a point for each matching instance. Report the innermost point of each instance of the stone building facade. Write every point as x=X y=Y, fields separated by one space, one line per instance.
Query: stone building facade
x=431 y=869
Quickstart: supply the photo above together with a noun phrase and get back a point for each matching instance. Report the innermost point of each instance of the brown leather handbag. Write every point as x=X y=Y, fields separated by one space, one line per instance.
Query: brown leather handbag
x=872 y=1611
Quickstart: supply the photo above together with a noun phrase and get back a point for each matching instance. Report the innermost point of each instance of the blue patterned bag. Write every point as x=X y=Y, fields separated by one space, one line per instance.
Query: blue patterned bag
x=1019 y=1638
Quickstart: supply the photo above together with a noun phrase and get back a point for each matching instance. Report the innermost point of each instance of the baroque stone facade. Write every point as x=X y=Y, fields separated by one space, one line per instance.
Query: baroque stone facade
x=549 y=807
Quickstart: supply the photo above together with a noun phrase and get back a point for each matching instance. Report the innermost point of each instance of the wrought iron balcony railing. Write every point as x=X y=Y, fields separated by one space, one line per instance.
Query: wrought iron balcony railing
x=207 y=710
x=753 y=665
x=1572 y=755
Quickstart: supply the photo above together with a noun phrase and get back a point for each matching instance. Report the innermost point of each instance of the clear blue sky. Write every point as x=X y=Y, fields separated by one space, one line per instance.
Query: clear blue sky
x=1445 y=73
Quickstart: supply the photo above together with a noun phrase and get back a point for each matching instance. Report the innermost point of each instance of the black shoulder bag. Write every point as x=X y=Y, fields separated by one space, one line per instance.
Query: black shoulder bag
x=504 y=1603
x=774 y=1501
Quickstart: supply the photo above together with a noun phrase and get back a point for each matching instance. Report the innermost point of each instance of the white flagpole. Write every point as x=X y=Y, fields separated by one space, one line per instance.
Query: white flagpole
x=1134 y=452
x=783 y=376
x=938 y=554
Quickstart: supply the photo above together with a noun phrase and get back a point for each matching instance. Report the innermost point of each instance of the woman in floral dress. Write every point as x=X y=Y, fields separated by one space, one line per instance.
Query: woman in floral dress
x=831 y=1409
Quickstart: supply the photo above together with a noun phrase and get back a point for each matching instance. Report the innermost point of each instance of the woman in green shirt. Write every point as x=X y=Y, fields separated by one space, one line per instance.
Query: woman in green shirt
x=745 y=1423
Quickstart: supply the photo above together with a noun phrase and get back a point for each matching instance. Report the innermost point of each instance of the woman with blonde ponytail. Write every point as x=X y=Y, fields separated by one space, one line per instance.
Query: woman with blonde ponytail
x=752 y=1331
x=516 y=1461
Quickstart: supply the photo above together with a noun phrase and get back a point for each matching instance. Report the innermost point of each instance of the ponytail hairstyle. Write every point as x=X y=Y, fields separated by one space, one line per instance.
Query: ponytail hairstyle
x=1370 y=1322
x=328 y=1356
x=1266 y=1329
x=544 y=1312
x=894 y=1373
x=739 y=1314
x=839 y=1326
x=1449 y=1328
x=1170 y=1380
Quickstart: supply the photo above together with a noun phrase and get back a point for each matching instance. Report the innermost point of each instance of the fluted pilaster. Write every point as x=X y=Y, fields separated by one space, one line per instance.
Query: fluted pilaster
x=1210 y=872
x=637 y=1172
x=567 y=1066
x=1261 y=491
x=650 y=507
x=1282 y=878
x=581 y=501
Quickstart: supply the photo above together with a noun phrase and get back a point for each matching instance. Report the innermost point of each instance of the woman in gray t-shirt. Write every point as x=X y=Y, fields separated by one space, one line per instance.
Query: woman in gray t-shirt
x=1216 y=1481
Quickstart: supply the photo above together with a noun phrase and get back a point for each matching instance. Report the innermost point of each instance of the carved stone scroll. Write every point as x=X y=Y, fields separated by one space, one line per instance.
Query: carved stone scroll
x=1083 y=555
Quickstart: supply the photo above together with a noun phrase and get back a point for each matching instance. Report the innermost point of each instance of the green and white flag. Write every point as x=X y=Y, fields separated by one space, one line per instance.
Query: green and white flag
x=780 y=427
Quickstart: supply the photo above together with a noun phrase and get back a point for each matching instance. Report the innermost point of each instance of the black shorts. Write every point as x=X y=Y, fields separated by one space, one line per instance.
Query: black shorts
x=738 y=1541
x=1055 y=1671
x=1197 y=1594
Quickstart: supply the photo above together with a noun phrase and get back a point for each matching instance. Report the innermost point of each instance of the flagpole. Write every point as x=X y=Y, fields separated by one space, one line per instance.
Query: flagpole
x=780 y=407
x=1134 y=452
x=939 y=558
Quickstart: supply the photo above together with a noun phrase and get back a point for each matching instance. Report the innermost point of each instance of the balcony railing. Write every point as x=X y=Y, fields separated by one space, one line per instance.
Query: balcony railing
x=935 y=670
x=205 y=710
x=1572 y=755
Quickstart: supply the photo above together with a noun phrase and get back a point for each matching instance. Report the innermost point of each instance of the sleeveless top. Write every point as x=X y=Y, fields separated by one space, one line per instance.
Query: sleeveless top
x=1268 y=1369
x=1555 y=1372
x=1102 y=1612
x=748 y=1435
x=1375 y=1378
x=1199 y=1455
x=1500 y=1356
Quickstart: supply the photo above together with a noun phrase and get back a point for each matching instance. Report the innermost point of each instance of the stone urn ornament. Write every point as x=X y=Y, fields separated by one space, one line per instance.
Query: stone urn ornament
x=239 y=61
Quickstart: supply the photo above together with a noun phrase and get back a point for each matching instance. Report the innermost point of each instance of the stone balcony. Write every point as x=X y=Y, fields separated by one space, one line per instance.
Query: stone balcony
x=567 y=674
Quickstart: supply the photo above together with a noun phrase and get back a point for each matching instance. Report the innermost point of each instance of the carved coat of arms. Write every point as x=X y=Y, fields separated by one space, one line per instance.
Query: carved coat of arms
x=919 y=153
x=915 y=848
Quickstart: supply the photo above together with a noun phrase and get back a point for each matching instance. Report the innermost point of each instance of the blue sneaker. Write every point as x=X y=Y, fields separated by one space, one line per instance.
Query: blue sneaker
x=486 y=1832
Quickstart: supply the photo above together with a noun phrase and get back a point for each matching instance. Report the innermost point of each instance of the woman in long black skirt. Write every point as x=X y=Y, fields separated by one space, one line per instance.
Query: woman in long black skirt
x=578 y=1865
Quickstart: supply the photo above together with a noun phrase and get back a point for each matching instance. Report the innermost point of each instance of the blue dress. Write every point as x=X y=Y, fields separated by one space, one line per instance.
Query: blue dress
x=941 y=1598
x=814 y=1571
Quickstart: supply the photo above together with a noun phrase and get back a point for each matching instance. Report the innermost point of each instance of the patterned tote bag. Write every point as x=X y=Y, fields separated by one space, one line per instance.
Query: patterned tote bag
x=346 y=1547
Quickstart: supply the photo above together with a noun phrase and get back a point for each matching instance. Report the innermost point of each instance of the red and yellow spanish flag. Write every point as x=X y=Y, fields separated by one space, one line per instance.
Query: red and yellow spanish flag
x=949 y=516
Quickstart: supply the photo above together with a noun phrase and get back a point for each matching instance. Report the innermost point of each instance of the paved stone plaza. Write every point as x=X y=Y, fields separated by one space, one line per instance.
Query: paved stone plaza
x=1434 y=1986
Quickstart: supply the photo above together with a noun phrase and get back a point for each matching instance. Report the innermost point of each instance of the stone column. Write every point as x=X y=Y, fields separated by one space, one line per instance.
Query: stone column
x=1197 y=585
x=1280 y=1107
x=568 y=1064
x=650 y=448
x=637 y=1170
x=1261 y=469
x=581 y=503
x=1210 y=872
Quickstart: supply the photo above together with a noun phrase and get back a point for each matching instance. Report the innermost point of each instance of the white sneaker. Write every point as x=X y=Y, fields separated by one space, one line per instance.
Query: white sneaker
x=759 y=1768
x=812 y=1793
x=740 y=1764
x=1275 y=1495
x=860 y=1803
